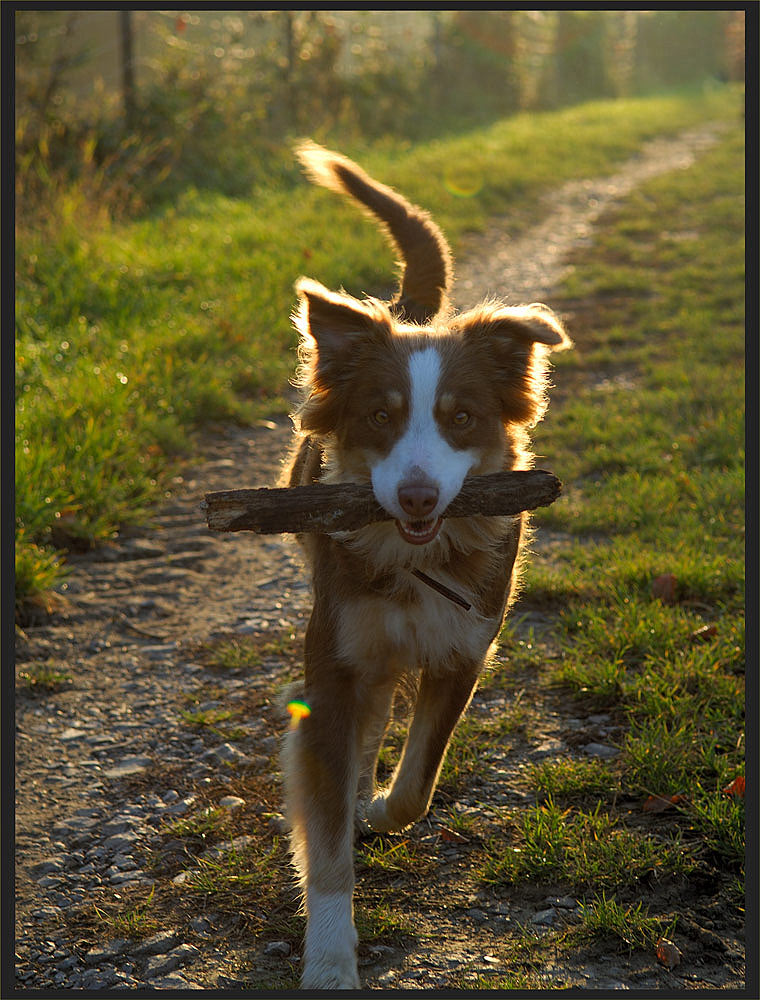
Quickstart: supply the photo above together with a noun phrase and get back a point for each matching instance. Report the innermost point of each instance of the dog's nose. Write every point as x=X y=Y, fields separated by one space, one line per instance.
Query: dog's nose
x=418 y=500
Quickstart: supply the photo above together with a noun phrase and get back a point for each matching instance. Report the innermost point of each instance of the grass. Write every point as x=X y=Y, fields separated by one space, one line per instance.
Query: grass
x=132 y=335
x=657 y=476
x=389 y=855
x=46 y=677
x=135 y=920
x=586 y=848
x=631 y=925
x=647 y=433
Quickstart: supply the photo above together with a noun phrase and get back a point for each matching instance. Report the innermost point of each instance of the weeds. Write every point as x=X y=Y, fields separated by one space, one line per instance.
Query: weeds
x=134 y=921
x=631 y=925
x=206 y=823
x=584 y=848
x=388 y=855
x=45 y=677
x=571 y=779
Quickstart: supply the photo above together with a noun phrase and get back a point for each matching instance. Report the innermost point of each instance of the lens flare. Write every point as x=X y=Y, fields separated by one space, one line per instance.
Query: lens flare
x=463 y=182
x=298 y=710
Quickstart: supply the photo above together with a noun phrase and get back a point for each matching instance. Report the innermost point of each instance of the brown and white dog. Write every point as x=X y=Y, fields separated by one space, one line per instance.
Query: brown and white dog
x=411 y=397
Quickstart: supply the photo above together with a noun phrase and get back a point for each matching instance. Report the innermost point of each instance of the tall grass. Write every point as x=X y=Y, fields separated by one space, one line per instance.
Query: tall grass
x=131 y=335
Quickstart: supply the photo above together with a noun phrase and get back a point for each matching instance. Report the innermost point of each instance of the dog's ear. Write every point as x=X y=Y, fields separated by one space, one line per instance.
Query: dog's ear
x=332 y=321
x=535 y=323
x=517 y=340
x=333 y=328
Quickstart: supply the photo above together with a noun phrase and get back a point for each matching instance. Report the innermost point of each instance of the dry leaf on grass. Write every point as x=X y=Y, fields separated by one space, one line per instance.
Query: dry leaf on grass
x=659 y=803
x=667 y=953
x=706 y=632
x=736 y=787
x=452 y=836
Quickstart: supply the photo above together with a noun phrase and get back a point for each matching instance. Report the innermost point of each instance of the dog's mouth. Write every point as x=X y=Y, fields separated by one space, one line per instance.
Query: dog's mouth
x=419 y=532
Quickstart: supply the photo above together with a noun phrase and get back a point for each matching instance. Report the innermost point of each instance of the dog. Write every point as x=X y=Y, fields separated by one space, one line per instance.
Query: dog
x=412 y=397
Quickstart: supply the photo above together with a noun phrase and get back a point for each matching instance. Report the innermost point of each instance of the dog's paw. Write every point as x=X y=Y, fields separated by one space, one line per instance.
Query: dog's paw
x=331 y=970
x=319 y=977
x=378 y=817
x=329 y=957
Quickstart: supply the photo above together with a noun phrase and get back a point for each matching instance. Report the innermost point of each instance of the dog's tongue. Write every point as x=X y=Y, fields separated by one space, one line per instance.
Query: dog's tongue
x=419 y=532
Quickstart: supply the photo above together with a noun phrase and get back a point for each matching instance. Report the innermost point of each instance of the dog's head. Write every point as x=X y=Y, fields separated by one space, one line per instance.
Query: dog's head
x=414 y=409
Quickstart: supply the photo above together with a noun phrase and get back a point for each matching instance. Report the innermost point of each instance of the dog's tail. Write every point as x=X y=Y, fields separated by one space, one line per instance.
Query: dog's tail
x=427 y=270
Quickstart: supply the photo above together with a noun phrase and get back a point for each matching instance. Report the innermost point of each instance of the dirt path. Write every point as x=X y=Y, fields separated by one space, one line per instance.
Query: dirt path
x=108 y=757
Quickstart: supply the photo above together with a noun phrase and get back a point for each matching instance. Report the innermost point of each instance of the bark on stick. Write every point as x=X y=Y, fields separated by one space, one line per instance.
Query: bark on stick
x=348 y=506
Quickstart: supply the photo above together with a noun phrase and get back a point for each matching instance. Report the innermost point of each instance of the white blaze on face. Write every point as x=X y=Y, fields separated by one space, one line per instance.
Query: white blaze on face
x=421 y=448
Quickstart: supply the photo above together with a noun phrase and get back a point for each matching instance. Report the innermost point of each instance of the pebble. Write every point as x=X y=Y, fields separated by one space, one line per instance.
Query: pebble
x=114 y=827
x=562 y=902
x=600 y=750
x=544 y=918
x=202 y=924
x=270 y=744
x=129 y=766
x=238 y=844
x=120 y=841
x=110 y=950
x=549 y=748
x=72 y=734
x=227 y=753
x=231 y=802
x=280 y=949
x=175 y=982
x=159 y=965
x=49 y=881
x=180 y=808
x=47 y=866
x=158 y=944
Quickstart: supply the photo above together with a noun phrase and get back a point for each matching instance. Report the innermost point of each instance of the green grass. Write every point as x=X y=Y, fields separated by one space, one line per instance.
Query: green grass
x=655 y=476
x=136 y=919
x=586 y=848
x=382 y=923
x=132 y=335
x=568 y=779
x=647 y=435
x=606 y=919
x=385 y=854
x=46 y=676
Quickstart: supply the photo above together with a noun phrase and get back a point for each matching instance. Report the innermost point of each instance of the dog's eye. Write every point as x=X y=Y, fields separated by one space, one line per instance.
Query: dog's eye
x=380 y=417
x=462 y=418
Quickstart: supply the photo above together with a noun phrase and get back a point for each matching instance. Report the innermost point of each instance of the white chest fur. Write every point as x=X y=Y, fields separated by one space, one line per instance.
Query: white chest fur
x=433 y=632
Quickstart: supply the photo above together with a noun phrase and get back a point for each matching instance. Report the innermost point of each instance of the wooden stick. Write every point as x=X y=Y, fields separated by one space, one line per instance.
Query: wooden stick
x=348 y=506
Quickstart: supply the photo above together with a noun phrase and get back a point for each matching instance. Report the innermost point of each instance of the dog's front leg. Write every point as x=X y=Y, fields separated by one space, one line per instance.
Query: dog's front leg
x=440 y=702
x=321 y=766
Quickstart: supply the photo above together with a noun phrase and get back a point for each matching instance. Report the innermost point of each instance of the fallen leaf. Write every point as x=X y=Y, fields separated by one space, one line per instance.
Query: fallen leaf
x=659 y=803
x=706 y=632
x=667 y=953
x=736 y=787
x=452 y=836
x=664 y=587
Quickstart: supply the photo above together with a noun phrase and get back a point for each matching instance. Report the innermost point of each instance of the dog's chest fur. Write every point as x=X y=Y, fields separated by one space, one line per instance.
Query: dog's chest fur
x=379 y=613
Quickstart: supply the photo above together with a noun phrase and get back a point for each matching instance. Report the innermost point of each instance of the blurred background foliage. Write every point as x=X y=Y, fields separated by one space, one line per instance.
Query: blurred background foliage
x=158 y=200
x=137 y=105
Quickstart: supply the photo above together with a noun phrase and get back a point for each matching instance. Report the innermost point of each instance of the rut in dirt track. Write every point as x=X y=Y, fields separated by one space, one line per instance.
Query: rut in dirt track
x=134 y=605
